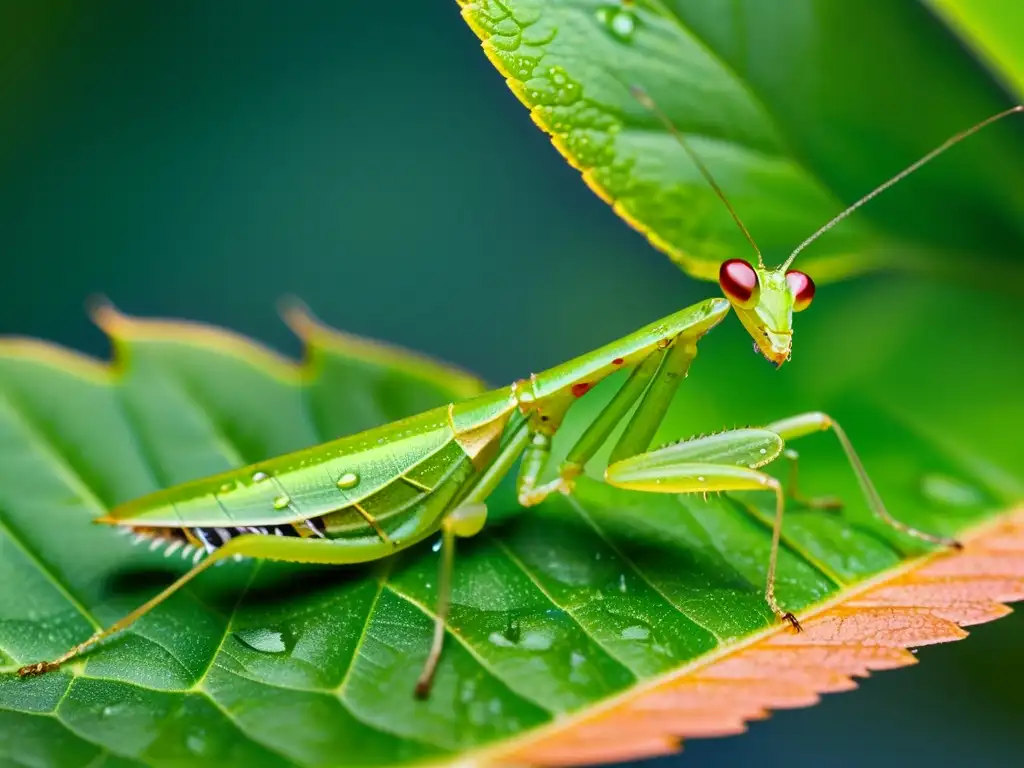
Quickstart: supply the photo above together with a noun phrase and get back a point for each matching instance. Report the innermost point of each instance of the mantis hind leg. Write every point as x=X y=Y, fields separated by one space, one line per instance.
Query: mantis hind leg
x=322 y=551
x=99 y=636
x=724 y=462
x=808 y=423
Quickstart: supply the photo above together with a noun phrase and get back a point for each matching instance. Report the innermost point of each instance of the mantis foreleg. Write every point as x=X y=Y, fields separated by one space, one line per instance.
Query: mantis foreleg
x=697 y=466
x=653 y=382
x=700 y=466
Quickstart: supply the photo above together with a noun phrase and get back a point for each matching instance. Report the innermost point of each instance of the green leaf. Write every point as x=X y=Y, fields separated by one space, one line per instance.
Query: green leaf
x=994 y=29
x=556 y=609
x=785 y=106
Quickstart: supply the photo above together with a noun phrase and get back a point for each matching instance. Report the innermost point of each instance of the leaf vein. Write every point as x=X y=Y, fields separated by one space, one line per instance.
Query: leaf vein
x=590 y=520
x=469 y=649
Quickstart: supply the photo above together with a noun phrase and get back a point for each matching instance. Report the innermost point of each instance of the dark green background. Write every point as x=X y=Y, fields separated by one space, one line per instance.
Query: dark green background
x=203 y=159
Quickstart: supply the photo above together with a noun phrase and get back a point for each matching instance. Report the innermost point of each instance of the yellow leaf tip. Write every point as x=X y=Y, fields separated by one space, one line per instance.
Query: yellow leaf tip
x=103 y=313
x=297 y=315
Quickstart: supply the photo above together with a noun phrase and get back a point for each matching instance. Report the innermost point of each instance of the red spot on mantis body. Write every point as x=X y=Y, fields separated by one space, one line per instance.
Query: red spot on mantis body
x=617 y=361
x=580 y=389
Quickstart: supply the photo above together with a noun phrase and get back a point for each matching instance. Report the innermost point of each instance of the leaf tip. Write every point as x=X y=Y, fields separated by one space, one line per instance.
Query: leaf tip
x=103 y=313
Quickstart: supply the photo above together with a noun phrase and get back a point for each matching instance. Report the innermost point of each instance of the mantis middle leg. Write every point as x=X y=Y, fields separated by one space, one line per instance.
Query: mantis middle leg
x=808 y=423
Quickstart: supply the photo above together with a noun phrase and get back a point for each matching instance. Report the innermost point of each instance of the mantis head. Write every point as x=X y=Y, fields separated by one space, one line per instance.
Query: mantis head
x=765 y=300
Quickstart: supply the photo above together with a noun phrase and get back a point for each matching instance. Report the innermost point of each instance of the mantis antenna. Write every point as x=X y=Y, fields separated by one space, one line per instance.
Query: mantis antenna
x=642 y=96
x=955 y=139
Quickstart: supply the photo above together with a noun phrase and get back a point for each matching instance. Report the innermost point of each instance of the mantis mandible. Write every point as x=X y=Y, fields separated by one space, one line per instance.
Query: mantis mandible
x=366 y=496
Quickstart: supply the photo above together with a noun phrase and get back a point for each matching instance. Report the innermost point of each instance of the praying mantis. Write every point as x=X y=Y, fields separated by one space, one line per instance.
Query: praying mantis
x=364 y=497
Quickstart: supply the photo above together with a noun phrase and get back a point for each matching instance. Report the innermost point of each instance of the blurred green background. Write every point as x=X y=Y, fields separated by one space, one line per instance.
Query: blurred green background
x=201 y=160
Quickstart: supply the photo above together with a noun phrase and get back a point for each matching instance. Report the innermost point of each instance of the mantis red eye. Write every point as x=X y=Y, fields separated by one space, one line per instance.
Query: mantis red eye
x=802 y=288
x=739 y=281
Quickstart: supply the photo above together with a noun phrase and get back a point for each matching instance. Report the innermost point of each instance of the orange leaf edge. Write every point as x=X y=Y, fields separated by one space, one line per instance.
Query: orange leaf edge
x=869 y=627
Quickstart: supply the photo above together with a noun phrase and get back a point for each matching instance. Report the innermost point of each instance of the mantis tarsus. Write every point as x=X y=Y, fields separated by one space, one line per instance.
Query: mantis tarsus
x=364 y=497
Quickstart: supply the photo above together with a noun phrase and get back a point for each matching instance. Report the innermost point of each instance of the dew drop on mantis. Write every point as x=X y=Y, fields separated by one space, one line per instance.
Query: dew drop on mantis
x=366 y=496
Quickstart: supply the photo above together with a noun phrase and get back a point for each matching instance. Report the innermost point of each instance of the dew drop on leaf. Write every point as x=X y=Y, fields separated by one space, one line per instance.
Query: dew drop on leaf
x=536 y=640
x=262 y=640
x=951 y=492
x=578 y=668
x=348 y=480
x=618 y=20
x=635 y=632
x=196 y=743
x=499 y=639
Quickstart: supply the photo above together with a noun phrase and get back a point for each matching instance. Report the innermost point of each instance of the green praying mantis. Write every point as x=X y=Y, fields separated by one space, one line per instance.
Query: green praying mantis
x=366 y=496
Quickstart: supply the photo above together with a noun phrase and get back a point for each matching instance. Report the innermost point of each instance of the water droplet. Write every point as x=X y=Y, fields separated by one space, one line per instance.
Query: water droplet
x=700 y=479
x=635 y=632
x=112 y=709
x=499 y=639
x=196 y=743
x=348 y=480
x=436 y=547
x=259 y=477
x=535 y=640
x=620 y=22
x=227 y=487
x=576 y=658
x=282 y=502
x=262 y=640
x=950 y=491
x=622 y=583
